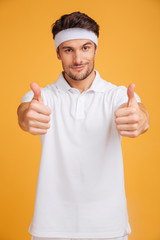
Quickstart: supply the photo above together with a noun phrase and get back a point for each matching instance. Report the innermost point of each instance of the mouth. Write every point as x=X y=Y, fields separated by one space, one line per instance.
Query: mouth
x=78 y=68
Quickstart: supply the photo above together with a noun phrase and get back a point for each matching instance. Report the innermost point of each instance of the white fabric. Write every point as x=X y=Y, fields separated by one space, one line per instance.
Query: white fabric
x=39 y=238
x=74 y=33
x=80 y=188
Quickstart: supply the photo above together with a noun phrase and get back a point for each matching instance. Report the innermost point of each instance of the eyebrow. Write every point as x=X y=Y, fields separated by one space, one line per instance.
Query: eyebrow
x=72 y=47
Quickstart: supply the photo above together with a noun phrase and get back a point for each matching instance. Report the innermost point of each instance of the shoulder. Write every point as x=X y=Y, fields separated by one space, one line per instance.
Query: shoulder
x=114 y=95
x=110 y=88
x=52 y=89
x=49 y=93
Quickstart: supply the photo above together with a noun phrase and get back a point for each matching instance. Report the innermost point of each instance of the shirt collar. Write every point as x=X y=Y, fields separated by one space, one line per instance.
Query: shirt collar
x=97 y=84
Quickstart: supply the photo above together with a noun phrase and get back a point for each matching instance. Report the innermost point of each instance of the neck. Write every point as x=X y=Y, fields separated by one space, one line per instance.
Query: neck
x=81 y=85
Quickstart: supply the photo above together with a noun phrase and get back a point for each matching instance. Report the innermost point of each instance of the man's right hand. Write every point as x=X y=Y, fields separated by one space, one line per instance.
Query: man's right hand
x=34 y=116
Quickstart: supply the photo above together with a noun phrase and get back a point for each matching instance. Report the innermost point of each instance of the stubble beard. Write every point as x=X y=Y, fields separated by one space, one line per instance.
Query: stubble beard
x=79 y=76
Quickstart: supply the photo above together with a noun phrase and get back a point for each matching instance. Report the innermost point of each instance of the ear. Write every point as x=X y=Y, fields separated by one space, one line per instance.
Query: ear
x=58 y=55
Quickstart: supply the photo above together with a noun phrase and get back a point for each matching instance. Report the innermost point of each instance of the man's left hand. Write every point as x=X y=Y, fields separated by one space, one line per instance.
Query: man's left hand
x=131 y=118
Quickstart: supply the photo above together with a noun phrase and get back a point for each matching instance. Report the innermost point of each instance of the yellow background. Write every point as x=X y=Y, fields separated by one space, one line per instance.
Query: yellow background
x=129 y=51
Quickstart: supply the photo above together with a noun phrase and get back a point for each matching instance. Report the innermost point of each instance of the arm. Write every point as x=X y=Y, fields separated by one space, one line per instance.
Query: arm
x=132 y=118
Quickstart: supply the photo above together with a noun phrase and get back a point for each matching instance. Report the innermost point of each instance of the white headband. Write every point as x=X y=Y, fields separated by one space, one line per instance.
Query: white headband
x=74 y=33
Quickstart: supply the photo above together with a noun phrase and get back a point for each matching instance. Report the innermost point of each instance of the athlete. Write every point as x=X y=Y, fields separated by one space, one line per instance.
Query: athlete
x=81 y=119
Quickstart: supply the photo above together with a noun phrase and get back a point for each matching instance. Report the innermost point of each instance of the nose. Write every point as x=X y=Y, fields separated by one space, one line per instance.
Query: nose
x=77 y=58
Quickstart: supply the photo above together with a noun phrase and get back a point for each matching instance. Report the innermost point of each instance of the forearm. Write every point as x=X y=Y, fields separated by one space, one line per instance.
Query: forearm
x=23 y=107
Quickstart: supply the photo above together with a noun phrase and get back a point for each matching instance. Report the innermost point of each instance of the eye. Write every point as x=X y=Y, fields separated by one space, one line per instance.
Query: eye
x=68 y=50
x=85 y=48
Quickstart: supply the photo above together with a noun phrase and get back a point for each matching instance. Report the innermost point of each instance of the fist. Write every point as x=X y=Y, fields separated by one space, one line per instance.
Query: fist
x=130 y=118
x=37 y=116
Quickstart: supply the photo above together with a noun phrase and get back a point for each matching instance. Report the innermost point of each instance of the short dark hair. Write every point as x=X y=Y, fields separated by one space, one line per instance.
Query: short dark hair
x=75 y=20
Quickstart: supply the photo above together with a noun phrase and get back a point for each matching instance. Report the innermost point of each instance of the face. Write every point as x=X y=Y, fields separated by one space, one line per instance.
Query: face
x=77 y=58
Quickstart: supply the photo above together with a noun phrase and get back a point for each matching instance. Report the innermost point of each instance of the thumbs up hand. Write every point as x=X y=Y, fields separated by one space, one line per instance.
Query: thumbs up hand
x=131 y=118
x=36 y=117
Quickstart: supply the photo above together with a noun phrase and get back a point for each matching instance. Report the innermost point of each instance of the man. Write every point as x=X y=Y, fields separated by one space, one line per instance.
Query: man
x=81 y=119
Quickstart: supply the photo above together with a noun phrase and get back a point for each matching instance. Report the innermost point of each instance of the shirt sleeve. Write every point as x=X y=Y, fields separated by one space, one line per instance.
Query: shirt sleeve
x=121 y=97
x=27 y=97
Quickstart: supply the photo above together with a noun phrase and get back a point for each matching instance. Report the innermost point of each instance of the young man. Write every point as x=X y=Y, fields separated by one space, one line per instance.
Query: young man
x=81 y=119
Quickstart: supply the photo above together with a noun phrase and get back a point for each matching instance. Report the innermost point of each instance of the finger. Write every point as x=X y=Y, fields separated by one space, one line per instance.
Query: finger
x=37 y=124
x=43 y=109
x=131 y=134
x=38 y=117
x=125 y=111
x=131 y=97
x=37 y=131
x=37 y=92
x=127 y=127
x=128 y=119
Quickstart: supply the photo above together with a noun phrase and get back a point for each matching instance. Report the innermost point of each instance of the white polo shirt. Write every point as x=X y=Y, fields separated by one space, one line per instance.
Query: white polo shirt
x=80 y=188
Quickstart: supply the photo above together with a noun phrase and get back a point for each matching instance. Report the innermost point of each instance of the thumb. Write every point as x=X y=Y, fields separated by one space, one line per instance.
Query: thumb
x=131 y=98
x=37 y=92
